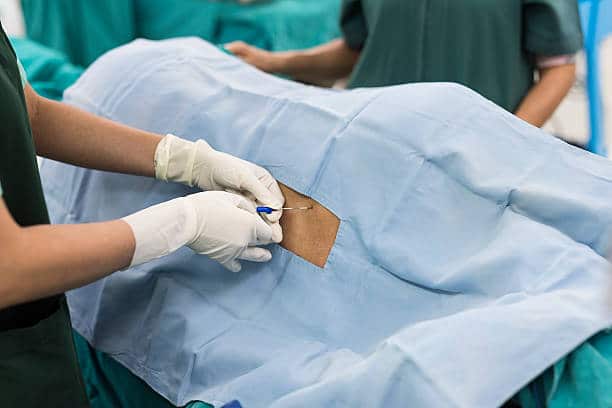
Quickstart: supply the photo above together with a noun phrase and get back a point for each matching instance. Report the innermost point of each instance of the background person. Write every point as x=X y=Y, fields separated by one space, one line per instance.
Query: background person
x=492 y=47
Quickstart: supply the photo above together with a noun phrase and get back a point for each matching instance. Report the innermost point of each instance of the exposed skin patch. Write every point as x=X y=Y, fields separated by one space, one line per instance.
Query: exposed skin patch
x=309 y=234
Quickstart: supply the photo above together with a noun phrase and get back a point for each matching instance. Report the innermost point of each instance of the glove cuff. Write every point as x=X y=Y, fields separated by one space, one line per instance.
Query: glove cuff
x=162 y=229
x=175 y=159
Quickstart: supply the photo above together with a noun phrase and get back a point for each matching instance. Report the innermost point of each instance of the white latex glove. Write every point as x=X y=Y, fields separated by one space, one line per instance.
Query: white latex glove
x=198 y=164
x=223 y=226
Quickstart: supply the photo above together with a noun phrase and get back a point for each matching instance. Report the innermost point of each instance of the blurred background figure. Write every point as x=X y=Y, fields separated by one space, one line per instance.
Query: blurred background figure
x=76 y=32
x=494 y=48
x=65 y=36
x=84 y=29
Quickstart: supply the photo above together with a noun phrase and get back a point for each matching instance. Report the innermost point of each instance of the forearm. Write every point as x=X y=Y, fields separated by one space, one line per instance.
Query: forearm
x=67 y=134
x=333 y=60
x=46 y=260
x=544 y=98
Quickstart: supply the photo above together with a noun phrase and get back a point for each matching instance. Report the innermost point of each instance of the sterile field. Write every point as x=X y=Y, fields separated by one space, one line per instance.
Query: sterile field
x=322 y=203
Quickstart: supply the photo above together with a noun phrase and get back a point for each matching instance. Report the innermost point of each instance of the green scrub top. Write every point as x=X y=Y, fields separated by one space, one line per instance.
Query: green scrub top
x=486 y=45
x=38 y=363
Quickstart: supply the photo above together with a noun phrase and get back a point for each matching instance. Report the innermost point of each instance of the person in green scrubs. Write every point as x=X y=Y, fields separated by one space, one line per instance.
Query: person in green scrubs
x=39 y=262
x=85 y=29
x=493 y=47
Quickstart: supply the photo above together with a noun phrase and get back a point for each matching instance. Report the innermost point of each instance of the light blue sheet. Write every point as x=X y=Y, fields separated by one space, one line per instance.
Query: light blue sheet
x=469 y=256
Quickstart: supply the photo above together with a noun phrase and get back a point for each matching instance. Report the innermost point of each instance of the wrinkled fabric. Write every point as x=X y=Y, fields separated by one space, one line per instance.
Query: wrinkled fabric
x=470 y=255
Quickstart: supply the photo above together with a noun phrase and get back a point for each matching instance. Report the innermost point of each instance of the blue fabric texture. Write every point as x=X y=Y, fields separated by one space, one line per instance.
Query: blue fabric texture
x=470 y=256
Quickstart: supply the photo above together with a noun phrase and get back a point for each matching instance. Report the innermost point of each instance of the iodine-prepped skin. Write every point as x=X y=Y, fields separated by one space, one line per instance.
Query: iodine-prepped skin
x=310 y=234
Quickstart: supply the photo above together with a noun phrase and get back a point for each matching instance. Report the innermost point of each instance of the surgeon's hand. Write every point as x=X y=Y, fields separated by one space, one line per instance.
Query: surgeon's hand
x=223 y=226
x=198 y=164
x=264 y=60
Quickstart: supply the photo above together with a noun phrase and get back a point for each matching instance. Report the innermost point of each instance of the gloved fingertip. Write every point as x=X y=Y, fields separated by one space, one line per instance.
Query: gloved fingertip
x=245 y=204
x=277 y=233
x=234 y=266
x=278 y=203
x=275 y=216
x=264 y=232
x=232 y=191
x=256 y=254
x=265 y=257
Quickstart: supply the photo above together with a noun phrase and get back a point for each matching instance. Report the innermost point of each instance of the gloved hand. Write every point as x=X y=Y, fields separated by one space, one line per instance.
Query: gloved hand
x=198 y=164
x=223 y=226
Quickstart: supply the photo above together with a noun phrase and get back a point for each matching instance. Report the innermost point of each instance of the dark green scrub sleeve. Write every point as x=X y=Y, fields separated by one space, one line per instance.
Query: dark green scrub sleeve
x=353 y=24
x=551 y=27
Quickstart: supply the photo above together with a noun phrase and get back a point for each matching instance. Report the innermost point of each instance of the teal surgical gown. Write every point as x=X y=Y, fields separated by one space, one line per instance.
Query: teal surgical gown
x=81 y=29
x=85 y=29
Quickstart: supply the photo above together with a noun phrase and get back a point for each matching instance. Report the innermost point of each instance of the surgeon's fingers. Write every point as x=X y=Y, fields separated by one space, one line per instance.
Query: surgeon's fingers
x=262 y=235
x=278 y=196
x=233 y=266
x=261 y=193
x=277 y=232
x=275 y=216
x=255 y=254
x=245 y=204
x=272 y=185
x=263 y=231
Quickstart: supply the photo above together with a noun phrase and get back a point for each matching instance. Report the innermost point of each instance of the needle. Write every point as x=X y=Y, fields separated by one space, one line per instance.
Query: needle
x=269 y=210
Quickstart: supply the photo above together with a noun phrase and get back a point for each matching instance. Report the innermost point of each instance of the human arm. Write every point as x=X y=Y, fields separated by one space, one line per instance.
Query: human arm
x=330 y=61
x=552 y=33
x=546 y=95
x=64 y=133
x=40 y=261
